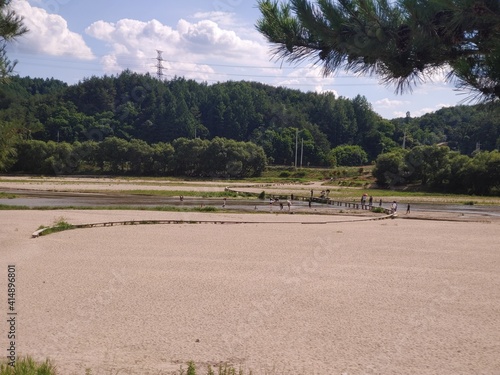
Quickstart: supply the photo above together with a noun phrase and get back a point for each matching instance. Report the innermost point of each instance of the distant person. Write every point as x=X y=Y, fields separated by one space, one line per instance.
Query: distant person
x=310 y=203
x=289 y=204
x=394 y=207
x=370 y=201
x=224 y=203
x=312 y=192
x=408 y=209
x=281 y=206
x=380 y=203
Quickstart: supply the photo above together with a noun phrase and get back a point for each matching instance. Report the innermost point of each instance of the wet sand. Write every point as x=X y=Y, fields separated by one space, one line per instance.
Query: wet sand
x=377 y=297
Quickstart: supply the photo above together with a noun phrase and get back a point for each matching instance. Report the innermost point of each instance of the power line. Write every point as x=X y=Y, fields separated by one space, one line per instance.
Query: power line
x=87 y=66
x=134 y=62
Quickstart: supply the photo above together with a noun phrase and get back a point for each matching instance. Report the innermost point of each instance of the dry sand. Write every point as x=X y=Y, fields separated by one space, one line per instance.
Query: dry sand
x=377 y=297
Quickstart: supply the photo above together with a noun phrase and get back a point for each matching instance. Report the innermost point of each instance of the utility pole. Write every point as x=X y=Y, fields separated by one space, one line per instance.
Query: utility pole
x=296 y=145
x=159 y=65
x=407 y=120
x=301 y=151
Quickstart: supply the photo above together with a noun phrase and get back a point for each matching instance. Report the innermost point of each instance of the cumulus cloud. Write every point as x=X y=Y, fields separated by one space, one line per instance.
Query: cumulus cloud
x=49 y=34
x=388 y=103
x=221 y=18
x=321 y=90
x=187 y=48
x=423 y=111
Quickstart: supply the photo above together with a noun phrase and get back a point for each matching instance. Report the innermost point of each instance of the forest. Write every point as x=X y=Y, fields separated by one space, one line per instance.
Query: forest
x=136 y=124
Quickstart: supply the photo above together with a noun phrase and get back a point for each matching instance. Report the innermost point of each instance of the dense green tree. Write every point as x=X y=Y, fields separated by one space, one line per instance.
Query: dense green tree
x=349 y=155
x=11 y=27
x=86 y=153
x=188 y=156
x=438 y=168
x=139 y=156
x=8 y=139
x=113 y=154
x=402 y=42
x=390 y=168
x=429 y=164
x=31 y=156
x=163 y=158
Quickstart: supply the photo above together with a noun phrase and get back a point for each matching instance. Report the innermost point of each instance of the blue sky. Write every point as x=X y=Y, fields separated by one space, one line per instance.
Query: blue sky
x=206 y=40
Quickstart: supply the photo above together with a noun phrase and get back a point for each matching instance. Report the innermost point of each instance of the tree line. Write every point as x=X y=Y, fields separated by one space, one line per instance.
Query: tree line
x=145 y=113
x=439 y=168
x=134 y=106
x=217 y=158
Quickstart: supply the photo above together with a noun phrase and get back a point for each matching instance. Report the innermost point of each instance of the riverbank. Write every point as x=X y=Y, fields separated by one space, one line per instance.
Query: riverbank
x=392 y=296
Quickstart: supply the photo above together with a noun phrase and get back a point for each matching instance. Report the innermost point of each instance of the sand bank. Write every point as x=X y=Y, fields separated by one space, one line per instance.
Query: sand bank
x=381 y=297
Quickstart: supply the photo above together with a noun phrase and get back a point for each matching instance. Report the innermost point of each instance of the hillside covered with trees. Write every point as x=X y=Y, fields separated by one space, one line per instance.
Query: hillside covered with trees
x=136 y=124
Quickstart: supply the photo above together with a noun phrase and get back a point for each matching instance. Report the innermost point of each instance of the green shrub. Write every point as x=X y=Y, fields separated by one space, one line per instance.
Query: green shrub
x=206 y=209
x=59 y=226
x=191 y=368
x=299 y=174
x=28 y=366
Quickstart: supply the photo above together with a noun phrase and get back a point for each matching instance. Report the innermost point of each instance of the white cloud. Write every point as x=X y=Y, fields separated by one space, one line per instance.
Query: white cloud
x=423 y=111
x=187 y=49
x=388 y=103
x=321 y=90
x=49 y=34
x=221 y=18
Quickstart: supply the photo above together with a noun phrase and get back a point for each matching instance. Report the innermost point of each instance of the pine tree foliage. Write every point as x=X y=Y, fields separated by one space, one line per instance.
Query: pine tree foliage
x=403 y=42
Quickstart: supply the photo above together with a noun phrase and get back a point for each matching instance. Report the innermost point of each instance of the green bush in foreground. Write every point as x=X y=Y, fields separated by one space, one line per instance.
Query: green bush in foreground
x=59 y=226
x=27 y=366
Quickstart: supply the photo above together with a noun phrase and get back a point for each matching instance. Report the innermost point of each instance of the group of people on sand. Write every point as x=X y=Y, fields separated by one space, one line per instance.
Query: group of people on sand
x=273 y=200
x=370 y=201
x=364 y=199
x=394 y=205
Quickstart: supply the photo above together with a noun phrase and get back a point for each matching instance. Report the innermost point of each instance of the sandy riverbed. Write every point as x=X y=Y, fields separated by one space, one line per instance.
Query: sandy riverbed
x=380 y=297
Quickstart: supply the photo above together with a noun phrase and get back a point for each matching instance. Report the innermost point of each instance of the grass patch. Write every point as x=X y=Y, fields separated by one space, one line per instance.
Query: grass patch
x=27 y=366
x=110 y=208
x=413 y=196
x=4 y=195
x=59 y=226
x=185 y=193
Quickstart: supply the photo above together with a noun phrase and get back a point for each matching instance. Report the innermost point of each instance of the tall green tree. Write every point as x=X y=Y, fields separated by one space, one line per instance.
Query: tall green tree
x=403 y=42
x=11 y=26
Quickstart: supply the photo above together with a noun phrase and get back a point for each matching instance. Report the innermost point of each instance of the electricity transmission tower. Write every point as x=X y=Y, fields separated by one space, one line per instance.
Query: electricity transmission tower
x=159 y=64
